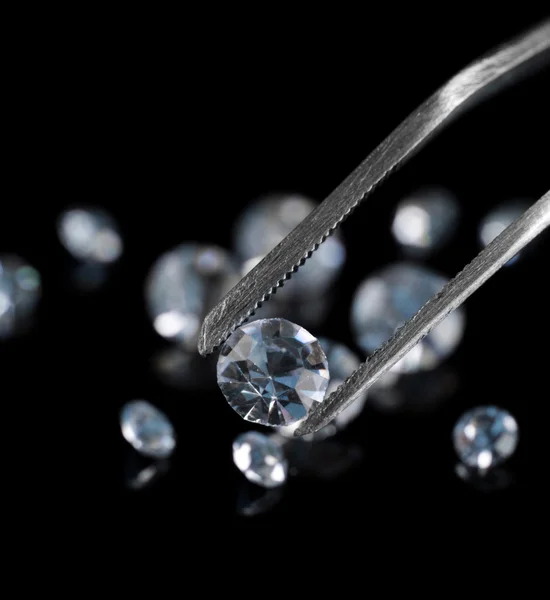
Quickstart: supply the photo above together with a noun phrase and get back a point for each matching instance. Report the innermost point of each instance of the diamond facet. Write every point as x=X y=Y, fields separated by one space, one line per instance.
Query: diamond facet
x=19 y=294
x=388 y=298
x=147 y=429
x=425 y=220
x=272 y=372
x=342 y=362
x=485 y=436
x=183 y=285
x=90 y=234
x=260 y=458
x=264 y=224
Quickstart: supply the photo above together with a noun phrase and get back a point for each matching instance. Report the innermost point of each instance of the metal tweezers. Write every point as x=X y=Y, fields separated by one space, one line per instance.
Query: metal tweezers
x=475 y=82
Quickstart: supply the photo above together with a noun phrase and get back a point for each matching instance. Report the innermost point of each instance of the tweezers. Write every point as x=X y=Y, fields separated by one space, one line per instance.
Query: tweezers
x=481 y=78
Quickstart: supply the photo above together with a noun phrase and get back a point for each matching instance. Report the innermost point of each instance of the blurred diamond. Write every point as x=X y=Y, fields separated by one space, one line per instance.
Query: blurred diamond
x=485 y=436
x=183 y=285
x=494 y=223
x=147 y=429
x=272 y=372
x=425 y=220
x=265 y=223
x=388 y=298
x=90 y=234
x=342 y=362
x=20 y=292
x=260 y=459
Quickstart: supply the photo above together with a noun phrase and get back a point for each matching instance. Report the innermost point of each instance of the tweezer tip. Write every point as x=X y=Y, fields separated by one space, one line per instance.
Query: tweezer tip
x=206 y=345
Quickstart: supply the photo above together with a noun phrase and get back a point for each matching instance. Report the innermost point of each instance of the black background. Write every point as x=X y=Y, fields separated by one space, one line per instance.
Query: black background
x=175 y=138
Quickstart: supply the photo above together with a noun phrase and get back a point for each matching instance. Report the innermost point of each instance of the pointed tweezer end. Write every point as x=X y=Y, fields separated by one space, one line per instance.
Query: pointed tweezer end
x=209 y=336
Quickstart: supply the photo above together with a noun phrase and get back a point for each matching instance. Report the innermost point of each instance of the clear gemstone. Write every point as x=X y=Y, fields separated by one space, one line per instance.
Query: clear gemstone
x=147 y=429
x=272 y=372
x=183 y=285
x=260 y=458
x=494 y=223
x=485 y=436
x=342 y=362
x=265 y=223
x=90 y=234
x=425 y=220
x=388 y=298
x=20 y=292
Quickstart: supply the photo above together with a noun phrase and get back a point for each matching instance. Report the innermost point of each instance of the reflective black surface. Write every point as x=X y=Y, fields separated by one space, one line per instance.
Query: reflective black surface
x=179 y=165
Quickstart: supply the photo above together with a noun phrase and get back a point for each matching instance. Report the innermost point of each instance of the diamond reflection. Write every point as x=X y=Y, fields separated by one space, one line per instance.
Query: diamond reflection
x=253 y=500
x=141 y=473
x=493 y=480
x=183 y=370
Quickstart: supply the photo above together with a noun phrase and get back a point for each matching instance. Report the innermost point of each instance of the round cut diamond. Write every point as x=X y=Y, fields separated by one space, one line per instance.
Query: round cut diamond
x=425 y=220
x=388 y=298
x=183 y=285
x=147 y=429
x=20 y=292
x=90 y=234
x=265 y=223
x=485 y=436
x=342 y=362
x=260 y=458
x=272 y=372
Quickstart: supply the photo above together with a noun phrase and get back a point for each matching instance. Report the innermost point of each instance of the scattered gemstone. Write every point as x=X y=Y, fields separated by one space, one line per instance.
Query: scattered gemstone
x=485 y=436
x=90 y=234
x=388 y=298
x=425 y=220
x=265 y=223
x=342 y=362
x=183 y=285
x=20 y=291
x=260 y=458
x=147 y=429
x=498 y=220
x=272 y=372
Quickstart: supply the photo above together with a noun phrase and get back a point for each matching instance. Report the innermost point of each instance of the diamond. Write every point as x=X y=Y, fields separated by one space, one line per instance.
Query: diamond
x=20 y=292
x=147 y=429
x=272 y=372
x=342 y=362
x=485 y=436
x=265 y=223
x=425 y=220
x=183 y=285
x=496 y=221
x=90 y=234
x=260 y=458
x=388 y=298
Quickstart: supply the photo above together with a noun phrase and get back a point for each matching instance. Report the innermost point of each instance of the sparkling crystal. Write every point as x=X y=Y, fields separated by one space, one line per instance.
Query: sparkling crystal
x=265 y=223
x=147 y=429
x=485 y=436
x=183 y=285
x=260 y=458
x=20 y=292
x=90 y=234
x=272 y=372
x=342 y=362
x=425 y=220
x=494 y=223
x=388 y=298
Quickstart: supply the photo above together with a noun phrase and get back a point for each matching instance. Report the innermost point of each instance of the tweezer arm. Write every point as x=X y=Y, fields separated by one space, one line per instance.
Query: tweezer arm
x=484 y=265
x=471 y=84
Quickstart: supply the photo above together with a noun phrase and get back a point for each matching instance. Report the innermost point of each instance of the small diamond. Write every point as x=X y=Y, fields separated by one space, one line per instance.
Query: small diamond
x=147 y=429
x=425 y=220
x=388 y=298
x=260 y=458
x=272 y=372
x=183 y=285
x=20 y=292
x=90 y=234
x=265 y=223
x=342 y=362
x=498 y=220
x=485 y=436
